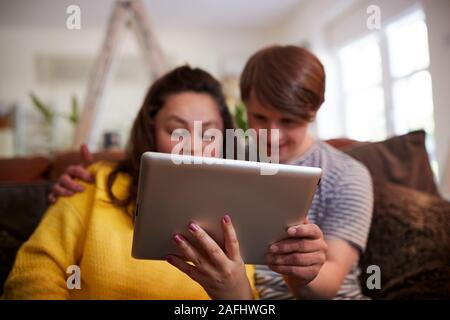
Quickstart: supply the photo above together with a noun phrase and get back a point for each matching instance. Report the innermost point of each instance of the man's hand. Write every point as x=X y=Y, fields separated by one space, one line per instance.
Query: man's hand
x=300 y=257
x=66 y=185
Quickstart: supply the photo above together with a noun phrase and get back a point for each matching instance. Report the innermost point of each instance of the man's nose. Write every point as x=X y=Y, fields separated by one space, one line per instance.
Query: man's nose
x=274 y=132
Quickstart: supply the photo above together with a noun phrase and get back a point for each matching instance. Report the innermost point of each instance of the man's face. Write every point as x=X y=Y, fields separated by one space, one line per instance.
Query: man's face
x=293 y=137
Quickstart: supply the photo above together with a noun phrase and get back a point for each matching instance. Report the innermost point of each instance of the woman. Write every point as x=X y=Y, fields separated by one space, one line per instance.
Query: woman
x=93 y=229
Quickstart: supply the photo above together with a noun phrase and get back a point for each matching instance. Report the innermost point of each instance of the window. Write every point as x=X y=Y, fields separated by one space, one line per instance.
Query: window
x=386 y=84
x=362 y=87
x=412 y=97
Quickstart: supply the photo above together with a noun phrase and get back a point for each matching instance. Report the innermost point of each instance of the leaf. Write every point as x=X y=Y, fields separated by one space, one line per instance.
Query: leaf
x=44 y=109
x=240 y=117
x=74 y=117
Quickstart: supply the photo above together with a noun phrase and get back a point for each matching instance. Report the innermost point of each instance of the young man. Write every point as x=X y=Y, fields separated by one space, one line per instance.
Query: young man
x=283 y=88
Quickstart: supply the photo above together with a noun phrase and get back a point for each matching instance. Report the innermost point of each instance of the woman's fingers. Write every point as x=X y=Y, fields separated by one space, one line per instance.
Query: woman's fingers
x=221 y=276
x=231 y=242
x=68 y=183
x=297 y=245
x=185 y=267
x=188 y=251
x=208 y=245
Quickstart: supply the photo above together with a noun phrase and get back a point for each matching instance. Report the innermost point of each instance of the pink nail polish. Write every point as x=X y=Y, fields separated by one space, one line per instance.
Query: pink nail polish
x=178 y=238
x=193 y=227
x=227 y=218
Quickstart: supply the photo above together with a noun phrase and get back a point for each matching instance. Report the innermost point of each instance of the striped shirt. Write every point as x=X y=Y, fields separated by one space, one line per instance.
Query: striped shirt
x=341 y=207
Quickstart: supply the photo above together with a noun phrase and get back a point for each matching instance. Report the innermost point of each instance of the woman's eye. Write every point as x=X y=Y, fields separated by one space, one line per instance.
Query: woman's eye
x=172 y=131
x=208 y=137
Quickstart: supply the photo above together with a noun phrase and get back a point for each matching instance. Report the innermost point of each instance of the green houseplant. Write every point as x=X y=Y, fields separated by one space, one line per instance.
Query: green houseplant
x=47 y=111
x=46 y=139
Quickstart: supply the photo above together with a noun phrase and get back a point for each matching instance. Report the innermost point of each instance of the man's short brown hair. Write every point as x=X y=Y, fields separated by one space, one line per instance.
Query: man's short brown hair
x=288 y=78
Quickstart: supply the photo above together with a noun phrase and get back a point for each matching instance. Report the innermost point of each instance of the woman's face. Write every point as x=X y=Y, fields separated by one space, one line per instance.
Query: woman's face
x=179 y=112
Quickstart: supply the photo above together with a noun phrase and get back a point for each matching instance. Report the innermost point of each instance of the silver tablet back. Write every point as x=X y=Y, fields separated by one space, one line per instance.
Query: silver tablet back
x=261 y=206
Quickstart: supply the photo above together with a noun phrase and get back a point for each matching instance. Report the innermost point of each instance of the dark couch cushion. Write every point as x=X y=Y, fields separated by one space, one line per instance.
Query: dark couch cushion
x=401 y=160
x=431 y=281
x=21 y=209
x=22 y=206
x=410 y=234
x=9 y=245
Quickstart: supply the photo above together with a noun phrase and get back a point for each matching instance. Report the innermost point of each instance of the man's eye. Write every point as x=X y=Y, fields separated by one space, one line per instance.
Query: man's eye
x=259 y=118
x=288 y=122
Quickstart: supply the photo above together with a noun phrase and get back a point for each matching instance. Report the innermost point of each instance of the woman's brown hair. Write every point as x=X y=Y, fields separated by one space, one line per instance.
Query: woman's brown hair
x=142 y=136
x=288 y=78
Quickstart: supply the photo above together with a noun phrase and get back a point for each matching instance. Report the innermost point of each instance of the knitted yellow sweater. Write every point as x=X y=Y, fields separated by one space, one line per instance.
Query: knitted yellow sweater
x=86 y=230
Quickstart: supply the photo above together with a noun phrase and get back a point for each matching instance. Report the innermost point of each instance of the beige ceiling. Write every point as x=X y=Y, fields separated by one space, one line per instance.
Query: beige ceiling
x=244 y=15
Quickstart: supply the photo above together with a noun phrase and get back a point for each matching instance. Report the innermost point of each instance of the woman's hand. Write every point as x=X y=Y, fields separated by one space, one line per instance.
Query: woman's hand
x=300 y=257
x=66 y=185
x=221 y=274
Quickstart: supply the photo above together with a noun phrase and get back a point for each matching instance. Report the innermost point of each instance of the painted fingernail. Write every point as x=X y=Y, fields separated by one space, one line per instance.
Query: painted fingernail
x=273 y=248
x=169 y=258
x=226 y=218
x=193 y=227
x=178 y=238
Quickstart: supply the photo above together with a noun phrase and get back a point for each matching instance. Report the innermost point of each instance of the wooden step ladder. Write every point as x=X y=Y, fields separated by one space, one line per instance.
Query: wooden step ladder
x=125 y=13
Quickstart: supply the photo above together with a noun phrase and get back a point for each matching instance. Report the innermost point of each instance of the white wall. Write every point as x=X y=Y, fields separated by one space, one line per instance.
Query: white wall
x=327 y=24
x=220 y=53
x=318 y=23
x=306 y=26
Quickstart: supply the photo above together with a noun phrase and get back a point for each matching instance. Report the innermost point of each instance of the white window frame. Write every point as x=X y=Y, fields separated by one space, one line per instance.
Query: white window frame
x=387 y=80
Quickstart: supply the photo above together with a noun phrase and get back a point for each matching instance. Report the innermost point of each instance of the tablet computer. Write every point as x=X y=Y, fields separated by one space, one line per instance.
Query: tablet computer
x=174 y=190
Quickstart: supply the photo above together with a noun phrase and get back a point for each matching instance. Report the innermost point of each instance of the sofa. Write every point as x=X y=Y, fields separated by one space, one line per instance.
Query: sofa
x=409 y=239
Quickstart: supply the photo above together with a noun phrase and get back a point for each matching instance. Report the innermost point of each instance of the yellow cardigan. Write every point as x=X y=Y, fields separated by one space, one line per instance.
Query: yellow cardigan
x=88 y=231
